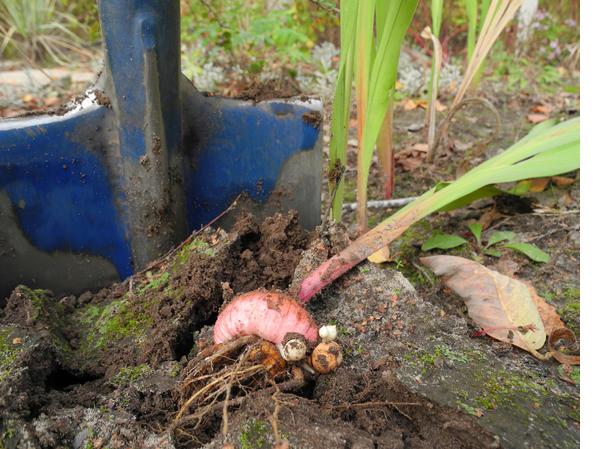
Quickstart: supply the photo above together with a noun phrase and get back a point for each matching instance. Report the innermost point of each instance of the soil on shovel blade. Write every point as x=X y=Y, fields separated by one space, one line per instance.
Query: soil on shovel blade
x=107 y=369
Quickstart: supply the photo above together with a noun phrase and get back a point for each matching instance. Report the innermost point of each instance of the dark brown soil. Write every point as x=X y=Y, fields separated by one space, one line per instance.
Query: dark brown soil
x=313 y=118
x=103 y=369
x=282 y=87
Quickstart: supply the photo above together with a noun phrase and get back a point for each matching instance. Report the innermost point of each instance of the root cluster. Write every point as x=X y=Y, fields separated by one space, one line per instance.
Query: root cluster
x=224 y=376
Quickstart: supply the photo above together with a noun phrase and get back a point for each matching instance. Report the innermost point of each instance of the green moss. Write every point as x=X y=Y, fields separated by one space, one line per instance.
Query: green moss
x=254 y=434
x=424 y=360
x=129 y=375
x=154 y=282
x=8 y=434
x=571 y=293
x=570 y=310
x=196 y=246
x=509 y=389
x=405 y=248
x=175 y=370
x=113 y=322
x=469 y=409
x=43 y=306
x=8 y=352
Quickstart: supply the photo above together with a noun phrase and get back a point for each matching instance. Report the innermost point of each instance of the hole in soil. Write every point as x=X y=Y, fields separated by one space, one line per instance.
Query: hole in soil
x=61 y=380
x=185 y=341
x=308 y=390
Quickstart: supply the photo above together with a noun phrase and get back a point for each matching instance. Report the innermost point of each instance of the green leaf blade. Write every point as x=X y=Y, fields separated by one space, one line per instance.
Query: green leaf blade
x=442 y=241
x=500 y=236
x=531 y=251
x=476 y=229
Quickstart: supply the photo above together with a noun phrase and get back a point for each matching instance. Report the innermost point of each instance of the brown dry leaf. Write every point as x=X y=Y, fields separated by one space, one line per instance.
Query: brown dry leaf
x=409 y=105
x=421 y=104
x=562 y=181
x=563 y=336
x=541 y=109
x=380 y=256
x=555 y=329
x=409 y=160
x=550 y=318
x=439 y=107
x=536 y=118
x=420 y=147
x=502 y=306
x=489 y=217
x=538 y=185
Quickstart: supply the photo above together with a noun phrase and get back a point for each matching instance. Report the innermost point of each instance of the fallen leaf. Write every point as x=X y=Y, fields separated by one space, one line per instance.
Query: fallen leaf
x=550 y=318
x=541 y=109
x=439 y=107
x=562 y=181
x=538 y=185
x=408 y=104
x=536 y=118
x=421 y=104
x=420 y=147
x=380 y=256
x=502 y=306
x=489 y=217
x=566 y=336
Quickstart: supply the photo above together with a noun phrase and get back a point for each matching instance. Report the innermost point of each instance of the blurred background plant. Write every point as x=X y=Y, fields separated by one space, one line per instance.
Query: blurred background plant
x=41 y=30
x=224 y=43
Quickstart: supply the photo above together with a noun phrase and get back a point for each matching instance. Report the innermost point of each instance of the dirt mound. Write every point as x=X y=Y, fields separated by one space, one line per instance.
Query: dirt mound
x=107 y=369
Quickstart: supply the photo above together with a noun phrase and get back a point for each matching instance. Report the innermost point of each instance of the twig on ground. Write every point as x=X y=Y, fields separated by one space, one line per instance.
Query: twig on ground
x=381 y=204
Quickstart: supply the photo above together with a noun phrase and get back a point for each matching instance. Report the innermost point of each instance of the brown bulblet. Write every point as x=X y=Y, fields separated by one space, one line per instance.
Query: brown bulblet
x=326 y=357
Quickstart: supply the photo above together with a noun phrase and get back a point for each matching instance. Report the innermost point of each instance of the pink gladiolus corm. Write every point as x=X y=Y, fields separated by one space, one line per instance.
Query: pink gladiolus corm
x=269 y=315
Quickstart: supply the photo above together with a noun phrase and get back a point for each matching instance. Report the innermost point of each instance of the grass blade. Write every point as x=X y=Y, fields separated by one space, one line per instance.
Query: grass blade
x=341 y=106
x=380 y=92
x=499 y=14
x=364 y=47
x=471 y=7
x=385 y=149
x=437 y=9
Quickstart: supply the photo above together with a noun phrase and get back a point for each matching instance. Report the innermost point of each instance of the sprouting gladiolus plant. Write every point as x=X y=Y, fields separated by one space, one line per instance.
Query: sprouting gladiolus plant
x=369 y=60
x=549 y=149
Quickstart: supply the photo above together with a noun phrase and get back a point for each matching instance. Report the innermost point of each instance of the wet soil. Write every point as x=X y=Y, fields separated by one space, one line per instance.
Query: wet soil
x=256 y=90
x=103 y=369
